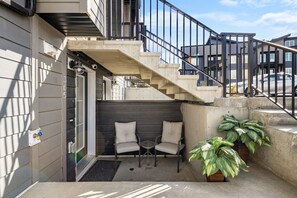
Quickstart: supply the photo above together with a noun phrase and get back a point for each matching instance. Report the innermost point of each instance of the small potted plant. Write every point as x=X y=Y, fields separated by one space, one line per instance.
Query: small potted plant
x=218 y=159
x=246 y=134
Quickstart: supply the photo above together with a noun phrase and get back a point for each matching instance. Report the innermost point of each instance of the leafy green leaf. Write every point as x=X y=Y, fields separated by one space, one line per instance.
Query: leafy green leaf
x=251 y=146
x=225 y=126
x=245 y=138
x=232 y=136
x=240 y=131
x=253 y=135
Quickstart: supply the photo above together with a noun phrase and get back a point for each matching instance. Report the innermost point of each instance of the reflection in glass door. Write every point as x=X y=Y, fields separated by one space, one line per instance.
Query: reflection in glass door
x=80 y=121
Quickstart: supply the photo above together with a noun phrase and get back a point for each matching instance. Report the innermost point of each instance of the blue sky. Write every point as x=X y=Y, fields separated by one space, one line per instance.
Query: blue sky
x=267 y=18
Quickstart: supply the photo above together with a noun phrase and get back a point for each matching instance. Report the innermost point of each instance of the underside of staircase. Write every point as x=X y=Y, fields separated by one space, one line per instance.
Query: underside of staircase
x=126 y=58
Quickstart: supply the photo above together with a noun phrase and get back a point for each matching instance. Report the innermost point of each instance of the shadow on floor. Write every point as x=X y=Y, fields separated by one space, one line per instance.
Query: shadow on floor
x=165 y=171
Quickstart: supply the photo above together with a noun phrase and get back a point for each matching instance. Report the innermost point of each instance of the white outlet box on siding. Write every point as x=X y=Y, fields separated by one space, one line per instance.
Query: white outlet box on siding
x=32 y=139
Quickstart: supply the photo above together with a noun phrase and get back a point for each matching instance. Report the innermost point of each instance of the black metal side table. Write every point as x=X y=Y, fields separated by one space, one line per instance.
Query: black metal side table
x=147 y=144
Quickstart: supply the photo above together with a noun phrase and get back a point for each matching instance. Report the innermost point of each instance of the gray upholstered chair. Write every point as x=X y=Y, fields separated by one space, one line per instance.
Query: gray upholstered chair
x=126 y=139
x=171 y=141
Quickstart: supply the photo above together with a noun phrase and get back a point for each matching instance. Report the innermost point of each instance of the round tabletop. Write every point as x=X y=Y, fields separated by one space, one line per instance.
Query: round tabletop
x=147 y=144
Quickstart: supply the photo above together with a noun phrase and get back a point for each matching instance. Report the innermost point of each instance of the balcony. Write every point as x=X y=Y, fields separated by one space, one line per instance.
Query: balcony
x=75 y=17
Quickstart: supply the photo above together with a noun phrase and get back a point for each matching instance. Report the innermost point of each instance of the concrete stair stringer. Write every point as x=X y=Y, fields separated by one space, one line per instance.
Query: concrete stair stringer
x=128 y=58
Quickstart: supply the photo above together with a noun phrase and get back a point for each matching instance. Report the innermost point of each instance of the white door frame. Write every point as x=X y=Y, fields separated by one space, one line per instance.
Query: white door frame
x=91 y=150
x=91 y=121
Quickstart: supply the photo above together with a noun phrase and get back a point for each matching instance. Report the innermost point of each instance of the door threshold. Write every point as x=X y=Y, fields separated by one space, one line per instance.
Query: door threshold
x=84 y=165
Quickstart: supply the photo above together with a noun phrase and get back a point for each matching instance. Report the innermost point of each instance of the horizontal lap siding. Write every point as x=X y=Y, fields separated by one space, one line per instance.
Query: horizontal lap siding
x=15 y=102
x=50 y=103
x=148 y=115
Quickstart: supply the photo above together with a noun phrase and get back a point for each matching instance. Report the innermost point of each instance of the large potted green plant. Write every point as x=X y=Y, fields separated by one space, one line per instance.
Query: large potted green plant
x=218 y=159
x=246 y=134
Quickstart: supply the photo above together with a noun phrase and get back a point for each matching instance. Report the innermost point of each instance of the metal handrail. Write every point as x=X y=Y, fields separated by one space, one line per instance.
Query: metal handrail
x=181 y=58
x=189 y=17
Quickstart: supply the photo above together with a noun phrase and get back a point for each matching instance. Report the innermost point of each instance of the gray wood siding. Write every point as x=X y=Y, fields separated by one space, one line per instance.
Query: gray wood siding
x=15 y=102
x=16 y=66
x=148 y=115
x=50 y=103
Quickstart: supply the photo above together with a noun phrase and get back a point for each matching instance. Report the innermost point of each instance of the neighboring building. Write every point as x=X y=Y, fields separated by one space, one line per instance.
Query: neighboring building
x=208 y=57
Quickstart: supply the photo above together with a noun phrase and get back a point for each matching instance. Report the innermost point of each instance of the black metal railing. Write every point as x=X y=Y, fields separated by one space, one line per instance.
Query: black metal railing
x=274 y=74
x=236 y=61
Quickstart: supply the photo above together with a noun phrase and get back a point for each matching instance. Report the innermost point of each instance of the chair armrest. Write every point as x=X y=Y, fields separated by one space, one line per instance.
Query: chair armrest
x=180 y=141
x=158 y=139
x=138 y=138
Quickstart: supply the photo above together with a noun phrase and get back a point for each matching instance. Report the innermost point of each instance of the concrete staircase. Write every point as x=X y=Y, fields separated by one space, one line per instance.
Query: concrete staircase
x=281 y=158
x=126 y=58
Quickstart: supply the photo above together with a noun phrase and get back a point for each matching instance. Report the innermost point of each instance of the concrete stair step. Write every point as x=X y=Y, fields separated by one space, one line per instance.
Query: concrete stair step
x=185 y=96
x=176 y=66
x=272 y=117
x=264 y=103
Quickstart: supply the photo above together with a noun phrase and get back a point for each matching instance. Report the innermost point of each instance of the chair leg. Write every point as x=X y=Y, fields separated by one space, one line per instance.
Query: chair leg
x=155 y=158
x=139 y=153
x=178 y=162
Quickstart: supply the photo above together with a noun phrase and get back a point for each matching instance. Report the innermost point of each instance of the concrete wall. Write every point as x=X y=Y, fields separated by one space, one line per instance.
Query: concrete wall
x=149 y=93
x=201 y=122
x=281 y=158
x=31 y=96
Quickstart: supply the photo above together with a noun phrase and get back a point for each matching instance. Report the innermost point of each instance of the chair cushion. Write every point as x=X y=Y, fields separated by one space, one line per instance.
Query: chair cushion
x=127 y=147
x=125 y=132
x=171 y=132
x=167 y=147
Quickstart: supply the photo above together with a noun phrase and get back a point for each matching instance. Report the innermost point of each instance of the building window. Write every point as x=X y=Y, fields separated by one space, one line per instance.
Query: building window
x=288 y=56
x=263 y=57
x=272 y=57
x=290 y=43
x=233 y=59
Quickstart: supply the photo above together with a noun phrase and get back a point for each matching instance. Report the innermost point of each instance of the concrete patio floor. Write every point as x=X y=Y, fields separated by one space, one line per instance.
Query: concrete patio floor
x=257 y=183
x=166 y=170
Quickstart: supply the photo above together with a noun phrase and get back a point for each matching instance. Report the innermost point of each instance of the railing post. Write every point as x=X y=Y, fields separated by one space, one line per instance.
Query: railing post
x=137 y=19
x=250 y=65
x=143 y=38
x=224 y=64
x=109 y=22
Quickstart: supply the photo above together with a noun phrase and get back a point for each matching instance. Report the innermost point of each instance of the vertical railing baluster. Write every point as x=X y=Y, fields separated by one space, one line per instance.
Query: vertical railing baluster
x=237 y=69
x=197 y=43
x=284 y=79
x=150 y=15
x=268 y=68
x=190 y=55
x=262 y=66
x=217 y=58
x=205 y=58
x=276 y=62
x=250 y=65
x=256 y=65
x=184 y=40
x=177 y=30
x=224 y=62
x=230 y=62
x=157 y=17
x=243 y=63
x=170 y=31
x=293 y=82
